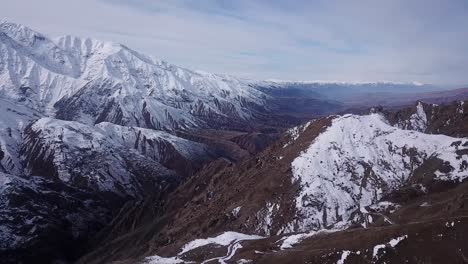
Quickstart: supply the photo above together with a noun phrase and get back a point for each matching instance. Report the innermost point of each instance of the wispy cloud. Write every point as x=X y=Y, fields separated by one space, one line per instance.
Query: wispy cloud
x=365 y=40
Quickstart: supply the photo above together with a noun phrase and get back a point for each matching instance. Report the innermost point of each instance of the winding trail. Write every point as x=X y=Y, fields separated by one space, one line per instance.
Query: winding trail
x=232 y=248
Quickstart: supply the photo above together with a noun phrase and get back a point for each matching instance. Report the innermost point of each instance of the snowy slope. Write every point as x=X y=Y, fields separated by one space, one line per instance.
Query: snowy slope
x=14 y=118
x=105 y=157
x=93 y=81
x=360 y=158
x=57 y=173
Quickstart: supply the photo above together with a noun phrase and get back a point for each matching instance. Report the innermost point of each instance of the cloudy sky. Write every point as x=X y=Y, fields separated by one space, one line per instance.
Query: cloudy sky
x=349 y=40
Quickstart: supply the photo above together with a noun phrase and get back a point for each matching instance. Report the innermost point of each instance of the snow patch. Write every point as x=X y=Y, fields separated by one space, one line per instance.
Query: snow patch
x=425 y=204
x=376 y=249
x=266 y=217
x=344 y=256
x=162 y=260
x=235 y=211
x=450 y=224
x=224 y=239
x=395 y=241
x=392 y=243
x=295 y=132
x=461 y=107
x=290 y=241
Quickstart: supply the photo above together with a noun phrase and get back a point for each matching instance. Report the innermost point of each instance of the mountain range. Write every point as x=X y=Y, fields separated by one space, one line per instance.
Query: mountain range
x=110 y=155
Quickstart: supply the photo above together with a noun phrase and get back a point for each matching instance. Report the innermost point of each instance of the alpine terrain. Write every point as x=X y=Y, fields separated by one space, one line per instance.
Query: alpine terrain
x=108 y=155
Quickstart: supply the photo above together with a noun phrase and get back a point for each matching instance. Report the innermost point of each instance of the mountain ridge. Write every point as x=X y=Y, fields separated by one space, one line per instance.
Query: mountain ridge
x=85 y=79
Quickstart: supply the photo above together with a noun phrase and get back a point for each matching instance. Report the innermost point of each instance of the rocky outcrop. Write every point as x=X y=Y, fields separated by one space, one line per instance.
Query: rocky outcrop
x=448 y=119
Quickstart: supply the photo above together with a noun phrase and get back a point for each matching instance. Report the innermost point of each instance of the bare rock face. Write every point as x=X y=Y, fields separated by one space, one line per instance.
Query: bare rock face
x=449 y=119
x=44 y=220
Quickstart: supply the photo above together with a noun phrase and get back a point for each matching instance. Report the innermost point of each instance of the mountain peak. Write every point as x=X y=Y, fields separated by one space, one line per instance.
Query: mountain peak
x=20 y=33
x=67 y=43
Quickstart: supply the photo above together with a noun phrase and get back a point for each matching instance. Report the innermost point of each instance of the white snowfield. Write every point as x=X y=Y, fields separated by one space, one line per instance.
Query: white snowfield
x=96 y=74
x=356 y=160
x=223 y=239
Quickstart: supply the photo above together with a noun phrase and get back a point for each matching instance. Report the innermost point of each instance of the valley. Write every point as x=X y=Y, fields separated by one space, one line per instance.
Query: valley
x=108 y=155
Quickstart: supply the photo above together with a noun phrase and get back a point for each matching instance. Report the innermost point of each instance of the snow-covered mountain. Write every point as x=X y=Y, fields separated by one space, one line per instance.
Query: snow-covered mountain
x=106 y=157
x=358 y=159
x=91 y=81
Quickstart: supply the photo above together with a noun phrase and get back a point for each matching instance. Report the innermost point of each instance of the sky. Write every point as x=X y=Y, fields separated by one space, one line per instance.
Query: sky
x=331 y=40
